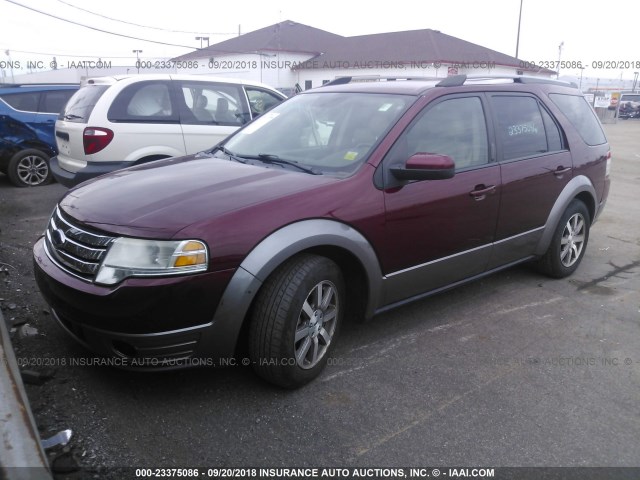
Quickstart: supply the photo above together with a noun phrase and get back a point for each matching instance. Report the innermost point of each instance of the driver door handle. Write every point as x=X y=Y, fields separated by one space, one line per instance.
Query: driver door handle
x=479 y=192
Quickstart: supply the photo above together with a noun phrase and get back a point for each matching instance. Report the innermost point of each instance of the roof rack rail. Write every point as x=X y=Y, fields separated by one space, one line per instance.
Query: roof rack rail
x=459 y=80
x=44 y=84
x=374 y=78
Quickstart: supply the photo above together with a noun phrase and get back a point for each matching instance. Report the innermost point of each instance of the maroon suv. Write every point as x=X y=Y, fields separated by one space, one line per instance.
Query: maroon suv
x=342 y=202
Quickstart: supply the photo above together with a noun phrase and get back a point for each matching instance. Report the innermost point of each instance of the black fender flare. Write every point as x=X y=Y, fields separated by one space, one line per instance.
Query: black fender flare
x=271 y=252
x=576 y=186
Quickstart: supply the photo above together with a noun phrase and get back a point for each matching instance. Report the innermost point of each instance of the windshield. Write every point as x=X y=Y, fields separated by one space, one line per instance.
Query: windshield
x=331 y=133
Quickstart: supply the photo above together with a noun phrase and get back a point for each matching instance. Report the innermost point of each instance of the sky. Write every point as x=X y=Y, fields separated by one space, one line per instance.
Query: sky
x=602 y=34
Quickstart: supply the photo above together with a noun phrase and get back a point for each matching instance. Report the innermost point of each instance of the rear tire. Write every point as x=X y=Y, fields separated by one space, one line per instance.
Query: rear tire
x=569 y=242
x=29 y=168
x=295 y=320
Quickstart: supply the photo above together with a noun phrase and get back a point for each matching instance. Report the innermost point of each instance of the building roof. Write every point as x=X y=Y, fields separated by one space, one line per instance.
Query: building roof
x=285 y=36
x=414 y=45
x=377 y=49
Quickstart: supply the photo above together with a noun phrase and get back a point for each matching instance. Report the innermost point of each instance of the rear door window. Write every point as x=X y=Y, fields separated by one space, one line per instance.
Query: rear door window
x=554 y=137
x=24 y=102
x=522 y=127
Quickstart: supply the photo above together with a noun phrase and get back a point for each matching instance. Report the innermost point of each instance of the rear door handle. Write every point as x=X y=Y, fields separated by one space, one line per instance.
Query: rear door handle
x=561 y=170
x=481 y=191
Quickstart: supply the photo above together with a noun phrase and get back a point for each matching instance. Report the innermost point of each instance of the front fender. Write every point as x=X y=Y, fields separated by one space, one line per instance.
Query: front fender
x=272 y=252
x=296 y=237
x=577 y=186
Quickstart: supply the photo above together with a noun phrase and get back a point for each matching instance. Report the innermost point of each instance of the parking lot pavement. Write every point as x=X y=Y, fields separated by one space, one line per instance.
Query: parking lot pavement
x=513 y=370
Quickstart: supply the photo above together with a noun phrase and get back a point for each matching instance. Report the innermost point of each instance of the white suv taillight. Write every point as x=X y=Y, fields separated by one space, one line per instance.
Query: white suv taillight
x=95 y=139
x=608 y=167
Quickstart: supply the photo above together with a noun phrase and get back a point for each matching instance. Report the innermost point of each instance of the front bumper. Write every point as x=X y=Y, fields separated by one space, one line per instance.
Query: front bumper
x=154 y=351
x=92 y=170
x=158 y=323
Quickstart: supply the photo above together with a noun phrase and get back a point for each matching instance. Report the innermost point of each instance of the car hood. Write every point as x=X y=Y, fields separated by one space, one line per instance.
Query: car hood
x=161 y=198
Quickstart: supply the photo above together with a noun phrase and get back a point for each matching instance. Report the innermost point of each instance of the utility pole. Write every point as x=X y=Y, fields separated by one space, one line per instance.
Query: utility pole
x=201 y=39
x=137 y=52
x=559 y=57
x=10 y=65
x=519 y=21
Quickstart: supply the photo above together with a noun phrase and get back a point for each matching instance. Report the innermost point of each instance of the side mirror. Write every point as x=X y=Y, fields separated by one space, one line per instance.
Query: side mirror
x=426 y=166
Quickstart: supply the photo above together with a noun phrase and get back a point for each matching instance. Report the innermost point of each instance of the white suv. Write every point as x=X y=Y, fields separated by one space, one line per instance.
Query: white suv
x=117 y=122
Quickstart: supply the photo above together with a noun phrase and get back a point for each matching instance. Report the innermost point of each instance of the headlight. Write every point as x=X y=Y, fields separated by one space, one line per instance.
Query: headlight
x=131 y=257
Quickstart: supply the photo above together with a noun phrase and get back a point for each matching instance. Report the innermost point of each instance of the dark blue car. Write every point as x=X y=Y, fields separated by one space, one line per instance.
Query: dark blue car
x=27 y=125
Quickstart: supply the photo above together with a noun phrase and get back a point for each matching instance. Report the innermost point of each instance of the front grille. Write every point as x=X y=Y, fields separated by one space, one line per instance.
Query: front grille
x=75 y=249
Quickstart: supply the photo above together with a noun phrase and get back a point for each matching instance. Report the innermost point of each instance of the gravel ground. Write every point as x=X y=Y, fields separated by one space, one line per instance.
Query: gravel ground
x=57 y=394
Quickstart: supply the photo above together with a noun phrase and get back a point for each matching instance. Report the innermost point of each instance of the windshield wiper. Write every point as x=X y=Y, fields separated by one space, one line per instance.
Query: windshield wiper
x=230 y=154
x=71 y=116
x=270 y=158
x=266 y=158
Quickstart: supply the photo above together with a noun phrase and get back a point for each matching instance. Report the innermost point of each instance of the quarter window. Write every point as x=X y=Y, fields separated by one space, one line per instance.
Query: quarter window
x=55 y=101
x=143 y=102
x=581 y=116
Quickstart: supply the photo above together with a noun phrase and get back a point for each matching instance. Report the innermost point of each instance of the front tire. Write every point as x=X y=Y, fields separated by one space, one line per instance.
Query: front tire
x=295 y=320
x=569 y=242
x=29 y=168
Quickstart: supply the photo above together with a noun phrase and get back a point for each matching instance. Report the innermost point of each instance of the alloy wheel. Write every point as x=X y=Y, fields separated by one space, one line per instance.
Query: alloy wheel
x=316 y=324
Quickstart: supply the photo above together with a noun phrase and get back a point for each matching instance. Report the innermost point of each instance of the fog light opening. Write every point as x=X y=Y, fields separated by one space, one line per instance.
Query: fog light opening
x=125 y=349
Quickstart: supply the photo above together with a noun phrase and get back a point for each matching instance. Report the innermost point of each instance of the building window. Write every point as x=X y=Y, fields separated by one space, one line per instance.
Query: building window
x=308 y=84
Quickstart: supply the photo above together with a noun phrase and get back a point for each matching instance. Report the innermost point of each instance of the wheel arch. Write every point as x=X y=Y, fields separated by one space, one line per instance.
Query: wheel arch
x=42 y=147
x=150 y=158
x=357 y=283
x=580 y=188
x=151 y=151
x=336 y=240
x=340 y=242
